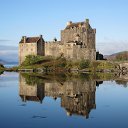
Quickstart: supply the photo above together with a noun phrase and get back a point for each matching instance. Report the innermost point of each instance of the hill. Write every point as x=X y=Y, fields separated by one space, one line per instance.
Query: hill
x=8 y=62
x=2 y=61
x=120 y=56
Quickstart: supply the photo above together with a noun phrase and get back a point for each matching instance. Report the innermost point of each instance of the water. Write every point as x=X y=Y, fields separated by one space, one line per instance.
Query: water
x=10 y=65
x=62 y=101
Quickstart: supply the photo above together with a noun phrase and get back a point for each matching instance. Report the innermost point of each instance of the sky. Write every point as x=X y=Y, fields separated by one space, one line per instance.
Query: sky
x=47 y=17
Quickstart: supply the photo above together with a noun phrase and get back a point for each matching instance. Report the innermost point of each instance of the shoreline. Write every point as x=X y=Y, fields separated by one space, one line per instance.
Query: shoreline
x=92 y=67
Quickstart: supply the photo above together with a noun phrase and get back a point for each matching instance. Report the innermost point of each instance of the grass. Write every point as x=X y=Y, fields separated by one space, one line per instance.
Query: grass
x=49 y=63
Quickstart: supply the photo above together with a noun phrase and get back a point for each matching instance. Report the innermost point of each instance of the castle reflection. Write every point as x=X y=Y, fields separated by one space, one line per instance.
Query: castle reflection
x=77 y=93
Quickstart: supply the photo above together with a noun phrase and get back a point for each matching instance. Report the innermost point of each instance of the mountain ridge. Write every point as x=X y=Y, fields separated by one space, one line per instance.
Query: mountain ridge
x=123 y=55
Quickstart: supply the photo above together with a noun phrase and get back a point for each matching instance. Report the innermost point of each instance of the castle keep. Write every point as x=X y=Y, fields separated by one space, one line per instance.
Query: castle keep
x=77 y=43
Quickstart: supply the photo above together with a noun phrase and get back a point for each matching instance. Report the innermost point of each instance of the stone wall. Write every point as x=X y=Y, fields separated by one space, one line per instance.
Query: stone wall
x=26 y=49
x=40 y=48
x=76 y=52
x=69 y=51
x=70 y=35
x=53 y=48
x=82 y=35
x=26 y=89
x=30 y=92
x=77 y=43
x=77 y=95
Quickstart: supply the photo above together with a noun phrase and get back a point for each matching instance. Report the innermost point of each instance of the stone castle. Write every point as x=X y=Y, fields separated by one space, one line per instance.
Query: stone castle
x=77 y=96
x=77 y=43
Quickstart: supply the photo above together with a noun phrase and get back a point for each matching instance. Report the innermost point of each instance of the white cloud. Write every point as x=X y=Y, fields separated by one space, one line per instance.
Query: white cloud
x=9 y=53
x=110 y=47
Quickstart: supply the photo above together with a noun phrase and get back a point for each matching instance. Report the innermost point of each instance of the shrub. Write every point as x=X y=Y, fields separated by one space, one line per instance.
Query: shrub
x=122 y=56
x=69 y=64
x=1 y=67
x=84 y=64
x=62 y=62
x=95 y=65
x=33 y=59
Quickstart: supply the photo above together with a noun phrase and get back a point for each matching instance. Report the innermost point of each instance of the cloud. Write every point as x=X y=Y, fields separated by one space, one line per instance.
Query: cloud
x=110 y=47
x=9 y=53
x=106 y=47
x=6 y=52
x=3 y=47
x=4 y=40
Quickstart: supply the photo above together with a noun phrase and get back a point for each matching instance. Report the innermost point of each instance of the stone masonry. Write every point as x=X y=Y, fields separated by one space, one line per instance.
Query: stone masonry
x=77 y=95
x=30 y=46
x=77 y=43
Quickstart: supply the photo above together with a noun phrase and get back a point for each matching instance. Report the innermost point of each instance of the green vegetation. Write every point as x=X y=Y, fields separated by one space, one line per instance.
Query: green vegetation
x=123 y=56
x=32 y=59
x=84 y=64
x=44 y=62
x=1 y=67
x=15 y=68
x=39 y=78
x=102 y=66
x=120 y=56
x=49 y=63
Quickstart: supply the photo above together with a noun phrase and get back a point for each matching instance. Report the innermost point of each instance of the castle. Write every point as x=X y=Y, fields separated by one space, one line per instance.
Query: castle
x=77 y=43
x=77 y=96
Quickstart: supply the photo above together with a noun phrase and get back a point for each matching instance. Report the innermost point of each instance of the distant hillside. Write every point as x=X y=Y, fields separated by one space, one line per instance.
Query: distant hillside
x=7 y=62
x=117 y=56
x=2 y=61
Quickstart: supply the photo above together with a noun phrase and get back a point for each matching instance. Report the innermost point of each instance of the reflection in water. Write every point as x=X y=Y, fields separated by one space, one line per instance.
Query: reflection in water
x=122 y=79
x=39 y=117
x=77 y=95
x=30 y=92
x=1 y=72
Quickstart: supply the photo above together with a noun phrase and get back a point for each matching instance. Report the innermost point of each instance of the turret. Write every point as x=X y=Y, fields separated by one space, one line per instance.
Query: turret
x=24 y=39
x=69 y=23
x=41 y=36
x=87 y=23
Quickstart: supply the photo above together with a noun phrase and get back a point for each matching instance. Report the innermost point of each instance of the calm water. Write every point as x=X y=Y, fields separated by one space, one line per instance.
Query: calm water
x=10 y=65
x=28 y=101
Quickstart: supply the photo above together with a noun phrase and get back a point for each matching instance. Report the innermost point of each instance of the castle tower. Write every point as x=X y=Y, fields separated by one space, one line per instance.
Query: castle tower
x=82 y=35
x=30 y=46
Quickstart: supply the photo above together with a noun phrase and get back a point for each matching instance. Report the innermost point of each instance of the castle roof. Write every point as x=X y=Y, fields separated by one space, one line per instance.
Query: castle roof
x=77 y=24
x=31 y=98
x=30 y=39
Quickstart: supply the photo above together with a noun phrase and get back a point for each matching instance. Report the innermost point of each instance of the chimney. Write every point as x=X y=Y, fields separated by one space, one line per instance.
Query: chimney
x=41 y=36
x=69 y=23
x=24 y=39
x=87 y=21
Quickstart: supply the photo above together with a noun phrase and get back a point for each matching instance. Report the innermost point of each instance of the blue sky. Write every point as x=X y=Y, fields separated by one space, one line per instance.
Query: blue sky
x=48 y=17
